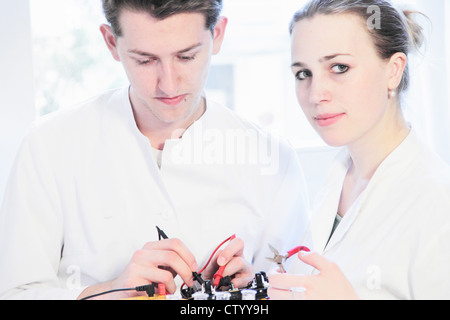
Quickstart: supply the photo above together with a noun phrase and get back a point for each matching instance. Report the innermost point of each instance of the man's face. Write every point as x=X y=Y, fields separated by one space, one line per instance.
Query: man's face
x=166 y=61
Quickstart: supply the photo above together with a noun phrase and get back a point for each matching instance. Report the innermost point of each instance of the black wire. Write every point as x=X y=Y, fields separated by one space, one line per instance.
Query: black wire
x=107 y=292
x=148 y=288
x=161 y=234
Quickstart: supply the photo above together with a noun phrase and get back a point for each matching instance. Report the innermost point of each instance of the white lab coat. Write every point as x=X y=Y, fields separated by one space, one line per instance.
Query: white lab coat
x=394 y=241
x=86 y=193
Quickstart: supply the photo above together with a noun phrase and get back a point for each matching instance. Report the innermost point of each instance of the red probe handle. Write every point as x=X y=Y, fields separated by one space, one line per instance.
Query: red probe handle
x=296 y=250
x=161 y=289
x=219 y=274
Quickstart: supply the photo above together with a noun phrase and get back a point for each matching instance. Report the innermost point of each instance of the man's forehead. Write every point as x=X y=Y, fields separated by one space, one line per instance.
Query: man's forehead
x=145 y=35
x=132 y=19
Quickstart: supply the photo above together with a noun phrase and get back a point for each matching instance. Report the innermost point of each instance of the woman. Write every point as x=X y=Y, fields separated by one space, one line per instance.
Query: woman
x=381 y=226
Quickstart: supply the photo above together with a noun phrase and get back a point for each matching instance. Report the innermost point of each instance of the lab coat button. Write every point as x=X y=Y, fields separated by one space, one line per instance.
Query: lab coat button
x=165 y=214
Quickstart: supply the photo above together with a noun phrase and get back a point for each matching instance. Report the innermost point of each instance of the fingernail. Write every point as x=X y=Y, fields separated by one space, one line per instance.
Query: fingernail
x=221 y=261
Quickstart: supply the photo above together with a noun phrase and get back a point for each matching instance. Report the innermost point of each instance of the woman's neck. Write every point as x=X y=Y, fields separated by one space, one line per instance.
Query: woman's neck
x=368 y=152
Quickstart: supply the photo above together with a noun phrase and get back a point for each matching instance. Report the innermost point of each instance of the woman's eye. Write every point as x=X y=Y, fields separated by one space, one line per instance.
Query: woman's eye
x=303 y=74
x=340 y=68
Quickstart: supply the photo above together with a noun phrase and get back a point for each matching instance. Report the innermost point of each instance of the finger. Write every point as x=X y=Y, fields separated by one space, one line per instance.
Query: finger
x=241 y=270
x=212 y=267
x=177 y=246
x=284 y=281
x=238 y=265
x=166 y=259
x=164 y=277
x=139 y=274
x=174 y=262
x=242 y=280
x=234 y=248
x=315 y=260
x=276 y=294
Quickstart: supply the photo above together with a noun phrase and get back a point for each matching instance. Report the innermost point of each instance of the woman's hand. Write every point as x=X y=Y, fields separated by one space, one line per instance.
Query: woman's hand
x=329 y=284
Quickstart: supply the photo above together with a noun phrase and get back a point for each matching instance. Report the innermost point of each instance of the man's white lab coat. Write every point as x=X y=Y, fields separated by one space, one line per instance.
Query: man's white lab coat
x=394 y=243
x=86 y=193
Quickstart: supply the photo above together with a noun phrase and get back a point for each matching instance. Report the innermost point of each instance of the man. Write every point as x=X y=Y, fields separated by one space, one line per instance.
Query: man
x=90 y=184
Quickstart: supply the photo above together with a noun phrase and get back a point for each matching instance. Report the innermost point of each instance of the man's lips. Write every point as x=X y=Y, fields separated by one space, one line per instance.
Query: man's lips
x=172 y=101
x=328 y=119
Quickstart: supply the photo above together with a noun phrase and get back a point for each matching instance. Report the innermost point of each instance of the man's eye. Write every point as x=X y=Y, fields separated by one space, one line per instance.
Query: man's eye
x=187 y=58
x=145 y=62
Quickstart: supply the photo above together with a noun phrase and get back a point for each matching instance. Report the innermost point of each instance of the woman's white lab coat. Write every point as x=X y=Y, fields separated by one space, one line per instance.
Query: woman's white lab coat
x=86 y=193
x=394 y=243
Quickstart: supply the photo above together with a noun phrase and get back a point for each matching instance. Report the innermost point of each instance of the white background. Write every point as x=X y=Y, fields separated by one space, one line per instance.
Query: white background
x=52 y=56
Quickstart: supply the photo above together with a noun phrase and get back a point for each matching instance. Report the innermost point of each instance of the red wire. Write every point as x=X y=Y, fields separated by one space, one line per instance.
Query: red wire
x=214 y=252
x=212 y=255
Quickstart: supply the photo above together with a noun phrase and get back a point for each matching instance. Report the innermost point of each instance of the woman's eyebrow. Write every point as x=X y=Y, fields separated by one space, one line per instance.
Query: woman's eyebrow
x=298 y=65
x=331 y=57
x=321 y=60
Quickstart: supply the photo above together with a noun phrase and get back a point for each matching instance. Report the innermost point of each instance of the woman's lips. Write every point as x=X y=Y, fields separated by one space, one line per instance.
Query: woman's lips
x=325 y=120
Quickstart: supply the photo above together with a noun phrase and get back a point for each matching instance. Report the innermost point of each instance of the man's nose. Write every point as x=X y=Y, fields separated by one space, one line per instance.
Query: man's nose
x=168 y=79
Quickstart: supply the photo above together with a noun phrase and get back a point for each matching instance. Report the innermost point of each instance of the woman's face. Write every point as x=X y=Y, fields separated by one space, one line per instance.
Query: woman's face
x=341 y=82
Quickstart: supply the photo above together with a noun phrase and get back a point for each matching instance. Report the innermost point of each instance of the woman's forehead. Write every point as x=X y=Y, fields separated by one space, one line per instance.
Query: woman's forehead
x=325 y=35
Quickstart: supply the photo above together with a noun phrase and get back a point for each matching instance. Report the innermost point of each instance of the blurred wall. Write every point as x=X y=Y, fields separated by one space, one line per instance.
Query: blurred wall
x=17 y=109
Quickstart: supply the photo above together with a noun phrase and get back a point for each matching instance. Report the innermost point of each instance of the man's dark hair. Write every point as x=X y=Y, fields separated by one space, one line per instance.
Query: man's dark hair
x=161 y=9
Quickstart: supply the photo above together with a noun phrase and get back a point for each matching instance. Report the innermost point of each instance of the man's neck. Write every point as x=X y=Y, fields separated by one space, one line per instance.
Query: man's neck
x=157 y=131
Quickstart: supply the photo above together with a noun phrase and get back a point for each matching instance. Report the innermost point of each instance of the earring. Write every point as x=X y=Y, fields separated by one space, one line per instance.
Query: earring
x=392 y=94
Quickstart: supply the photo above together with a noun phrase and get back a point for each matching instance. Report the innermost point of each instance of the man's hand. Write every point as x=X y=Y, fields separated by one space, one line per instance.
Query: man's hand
x=157 y=262
x=329 y=284
x=234 y=263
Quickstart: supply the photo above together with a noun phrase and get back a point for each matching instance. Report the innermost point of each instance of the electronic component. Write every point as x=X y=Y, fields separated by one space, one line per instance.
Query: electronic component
x=255 y=290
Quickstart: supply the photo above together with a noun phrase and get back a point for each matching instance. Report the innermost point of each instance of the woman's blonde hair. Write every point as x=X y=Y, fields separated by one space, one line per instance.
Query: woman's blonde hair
x=396 y=31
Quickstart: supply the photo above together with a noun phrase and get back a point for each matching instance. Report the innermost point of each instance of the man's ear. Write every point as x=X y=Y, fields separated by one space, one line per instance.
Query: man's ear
x=110 y=40
x=397 y=65
x=219 y=33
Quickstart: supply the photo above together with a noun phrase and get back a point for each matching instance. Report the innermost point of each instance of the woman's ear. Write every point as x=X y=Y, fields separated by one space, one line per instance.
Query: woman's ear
x=397 y=65
x=110 y=40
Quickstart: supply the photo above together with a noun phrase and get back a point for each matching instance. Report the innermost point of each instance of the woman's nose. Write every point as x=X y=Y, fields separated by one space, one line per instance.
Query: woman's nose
x=319 y=91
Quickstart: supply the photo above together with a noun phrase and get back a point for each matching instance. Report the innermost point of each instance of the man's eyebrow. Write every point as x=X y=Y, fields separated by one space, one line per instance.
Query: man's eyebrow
x=321 y=60
x=195 y=46
x=148 y=54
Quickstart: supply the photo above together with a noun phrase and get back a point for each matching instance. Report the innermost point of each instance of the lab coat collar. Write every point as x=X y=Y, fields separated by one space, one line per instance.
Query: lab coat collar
x=202 y=121
x=326 y=203
x=393 y=166
x=127 y=110
x=124 y=111
x=122 y=106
